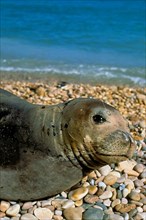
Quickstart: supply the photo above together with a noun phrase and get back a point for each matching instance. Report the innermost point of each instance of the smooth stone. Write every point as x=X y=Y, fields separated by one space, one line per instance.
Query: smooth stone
x=138 y=183
x=124 y=201
x=73 y=213
x=28 y=216
x=127 y=163
x=121 y=179
x=134 y=195
x=106 y=195
x=119 y=194
x=116 y=185
x=102 y=185
x=13 y=210
x=141 y=216
x=57 y=203
x=58 y=212
x=139 y=209
x=105 y=170
x=126 y=216
x=143 y=200
x=125 y=192
x=143 y=175
x=4 y=206
x=92 y=175
x=107 y=202
x=139 y=168
x=110 y=179
x=101 y=205
x=115 y=217
x=131 y=172
x=46 y=203
x=2 y=214
x=79 y=203
x=91 y=199
x=93 y=213
x=92 y=190
x=122 y=208
x=43 y=213
x=115 y=202
x=67 y=204
x=116 y=173
x=57 y=217
x=64 y=194
x=27 y=205
x=78 y=194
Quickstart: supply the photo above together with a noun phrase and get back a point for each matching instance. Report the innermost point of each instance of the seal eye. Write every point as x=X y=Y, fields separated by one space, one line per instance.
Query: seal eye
x=98 y=119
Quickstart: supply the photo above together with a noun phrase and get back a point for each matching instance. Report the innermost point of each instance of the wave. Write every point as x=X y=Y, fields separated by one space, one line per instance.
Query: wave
x=91 y=72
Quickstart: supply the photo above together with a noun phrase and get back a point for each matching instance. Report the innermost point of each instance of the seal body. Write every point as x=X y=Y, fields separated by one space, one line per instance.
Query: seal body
x=46 y=149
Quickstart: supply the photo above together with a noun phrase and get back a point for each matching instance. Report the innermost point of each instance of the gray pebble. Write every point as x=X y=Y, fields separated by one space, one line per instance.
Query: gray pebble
x=93 y=213
x=132 y=213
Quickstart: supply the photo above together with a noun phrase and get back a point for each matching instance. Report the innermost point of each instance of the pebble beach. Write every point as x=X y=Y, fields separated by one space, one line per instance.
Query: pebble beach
x=113 y=192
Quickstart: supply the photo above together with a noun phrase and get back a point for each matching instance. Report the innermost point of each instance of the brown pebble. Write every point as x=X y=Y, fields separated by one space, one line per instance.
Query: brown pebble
x=27 y=205
x=78 y=194
x=2 y=214
x=92 y=190
x=4 y=206
x=139 y=168
x=134 y=195
x=73 y=213
x=138 y=183
x=91 y=199
x=79 y=203
x=123 y=208
x=110 y=179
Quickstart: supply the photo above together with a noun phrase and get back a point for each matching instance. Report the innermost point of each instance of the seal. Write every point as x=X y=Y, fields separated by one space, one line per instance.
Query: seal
x=45 y=150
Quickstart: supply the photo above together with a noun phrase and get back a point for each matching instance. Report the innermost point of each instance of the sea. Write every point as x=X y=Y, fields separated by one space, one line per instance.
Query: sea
x=94 y=41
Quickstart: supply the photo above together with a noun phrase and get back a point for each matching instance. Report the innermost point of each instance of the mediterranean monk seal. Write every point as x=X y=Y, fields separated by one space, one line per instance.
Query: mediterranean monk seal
x=46 y=149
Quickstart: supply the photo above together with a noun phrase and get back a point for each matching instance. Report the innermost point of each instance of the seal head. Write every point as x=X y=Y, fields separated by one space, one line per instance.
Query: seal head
x=97 y=132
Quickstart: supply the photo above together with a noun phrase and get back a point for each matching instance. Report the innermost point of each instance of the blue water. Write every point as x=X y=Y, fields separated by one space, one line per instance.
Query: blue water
x=101 y=40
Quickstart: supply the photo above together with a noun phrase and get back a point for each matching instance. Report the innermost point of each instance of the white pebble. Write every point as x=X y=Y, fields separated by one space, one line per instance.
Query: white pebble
x=102 y=185
x=13 y=210
x=105 y=170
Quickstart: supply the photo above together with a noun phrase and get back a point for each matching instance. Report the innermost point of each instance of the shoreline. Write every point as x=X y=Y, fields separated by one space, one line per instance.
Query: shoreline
x=69 y=78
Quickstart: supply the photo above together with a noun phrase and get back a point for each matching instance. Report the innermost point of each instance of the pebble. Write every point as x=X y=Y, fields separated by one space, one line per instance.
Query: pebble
x=132 y=213
x=102 y=185
x=139 y=209
x=28 y=216
x=127 y=163
x=107 y=202
x=122 y=208
x=4 y=206
x=2 y=214
x=27 y=205
x=125 y=192
x=68 y=204
x=57 y=217
x=115 y=217
x=138 y=183
x=73 y=213
x=110 y=179
x=13 y=210
x=141 y=216
x=58 y=212
x=106 y=195
x=124 y=201
x=115 y=173
x=134 y=195
x=43 y=213
x=91 y=198
x=93 y=213
x=92 y=190
x=46 y=203
x=139 y=168
x=105 y=170
x=78 y=194
x=116 y=202
x=131 y=172
x=79 y=203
